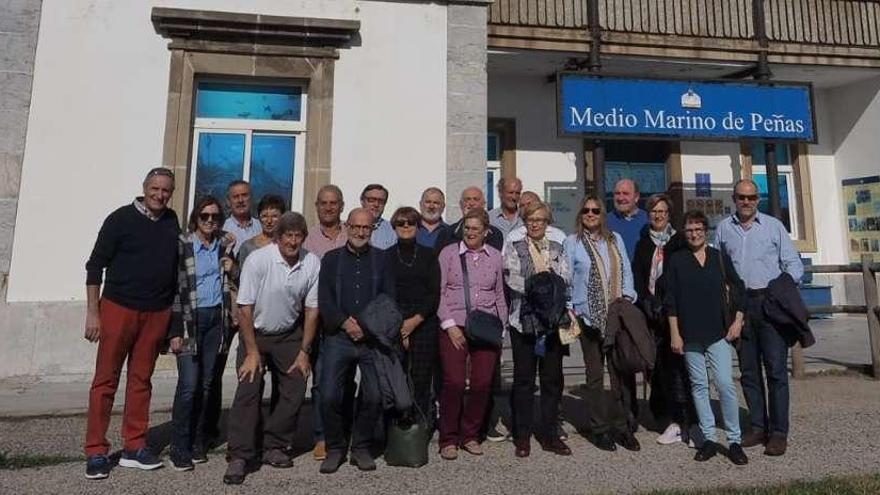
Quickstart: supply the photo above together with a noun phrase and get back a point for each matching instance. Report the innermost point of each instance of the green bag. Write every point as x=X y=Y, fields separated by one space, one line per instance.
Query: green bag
x=407 y=443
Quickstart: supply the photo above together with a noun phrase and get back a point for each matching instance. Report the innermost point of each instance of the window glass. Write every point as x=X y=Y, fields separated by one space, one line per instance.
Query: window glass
x=272 y=165
x=220 y=161
x=246 y=101
x=784 y=197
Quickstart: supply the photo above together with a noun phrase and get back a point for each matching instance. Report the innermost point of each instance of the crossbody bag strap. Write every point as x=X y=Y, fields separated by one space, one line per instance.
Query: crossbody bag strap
x=466 y=283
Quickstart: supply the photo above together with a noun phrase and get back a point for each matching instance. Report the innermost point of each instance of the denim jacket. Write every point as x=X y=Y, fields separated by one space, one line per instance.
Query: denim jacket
x=579 y=262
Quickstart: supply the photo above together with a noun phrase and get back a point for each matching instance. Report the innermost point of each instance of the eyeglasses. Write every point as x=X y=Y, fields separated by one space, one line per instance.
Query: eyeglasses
x=403 y=222
x=594 y=211
x=209 y=217
x=536 y=220
x=698 y=230
x=362 y=228
x=747 y=197
x=659 y=212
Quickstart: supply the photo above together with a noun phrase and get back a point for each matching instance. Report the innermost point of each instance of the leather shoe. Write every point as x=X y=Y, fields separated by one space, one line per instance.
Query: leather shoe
x=277 y=458
x=776 y=445
x=363 y=460
x=628 y=441
x=555 y=445
x=331 y=464
x=737 y=455
x=320 y=450
x=603 y=441
x=236 y=470
x=522 y=447
x=707 y=451
x=754 y=438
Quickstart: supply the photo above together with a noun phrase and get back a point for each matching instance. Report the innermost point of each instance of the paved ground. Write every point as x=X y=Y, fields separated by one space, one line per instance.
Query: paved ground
x=836 y=424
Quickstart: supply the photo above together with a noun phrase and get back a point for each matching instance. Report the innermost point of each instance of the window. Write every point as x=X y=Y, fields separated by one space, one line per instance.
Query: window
x=493 y=169
x=642 y=161
x=249 y=131
x=787 y=181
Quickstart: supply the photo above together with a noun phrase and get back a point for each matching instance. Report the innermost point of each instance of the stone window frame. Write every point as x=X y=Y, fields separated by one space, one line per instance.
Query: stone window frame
x=250 y=46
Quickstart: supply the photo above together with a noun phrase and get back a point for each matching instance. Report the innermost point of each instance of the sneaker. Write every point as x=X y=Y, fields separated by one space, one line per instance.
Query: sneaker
x=236 y=471
x=200 y=455
x=181 y=462
x=671 y=435
x=737 y=455
x=141 y=458
x=97 y=467
x=497 y=433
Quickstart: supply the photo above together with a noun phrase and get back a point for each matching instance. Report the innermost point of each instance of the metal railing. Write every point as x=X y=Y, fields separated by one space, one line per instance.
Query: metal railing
x=822 y=22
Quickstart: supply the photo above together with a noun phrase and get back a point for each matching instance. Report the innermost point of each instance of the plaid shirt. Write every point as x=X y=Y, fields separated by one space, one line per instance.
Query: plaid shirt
x=183 y=314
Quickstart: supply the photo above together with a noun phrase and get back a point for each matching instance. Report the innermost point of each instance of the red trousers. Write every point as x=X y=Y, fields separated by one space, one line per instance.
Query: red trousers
x=460 y=418
x=136 y=336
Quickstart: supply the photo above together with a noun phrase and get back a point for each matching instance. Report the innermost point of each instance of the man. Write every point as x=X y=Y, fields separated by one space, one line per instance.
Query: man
x=471 y=198
x=431 y=206
x=506 y=217
x=278 y=299
x=374 y=197
x=240 y=222
x=761 y=250
x=351 y=277
x=137 y=248
x=627 y=219
x=519 y=233
x=328 y=234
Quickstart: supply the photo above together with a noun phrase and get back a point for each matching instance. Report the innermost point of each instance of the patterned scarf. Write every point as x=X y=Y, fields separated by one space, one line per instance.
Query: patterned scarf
x=660 y=239
x=606 y=284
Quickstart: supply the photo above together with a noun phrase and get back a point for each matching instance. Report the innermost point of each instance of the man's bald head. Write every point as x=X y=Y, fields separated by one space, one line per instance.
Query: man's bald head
x=472 y=197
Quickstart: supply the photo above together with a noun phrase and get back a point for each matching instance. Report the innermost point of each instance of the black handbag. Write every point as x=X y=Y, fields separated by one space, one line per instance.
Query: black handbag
x=480 y=327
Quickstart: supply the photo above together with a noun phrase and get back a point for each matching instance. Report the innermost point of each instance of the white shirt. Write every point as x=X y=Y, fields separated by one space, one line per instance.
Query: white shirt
x=519 y=233
x=277 y=290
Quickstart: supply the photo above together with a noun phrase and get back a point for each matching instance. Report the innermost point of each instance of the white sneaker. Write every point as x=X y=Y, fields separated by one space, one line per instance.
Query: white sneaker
x=671 y=435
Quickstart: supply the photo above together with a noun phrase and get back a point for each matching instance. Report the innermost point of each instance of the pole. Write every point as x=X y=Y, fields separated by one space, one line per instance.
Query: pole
x=595 y=66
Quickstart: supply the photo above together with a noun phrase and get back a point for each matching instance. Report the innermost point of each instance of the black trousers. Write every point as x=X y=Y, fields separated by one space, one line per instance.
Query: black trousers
x=249 y=432
x=602 y=412
x=549 y=369
x=670 y=385
x=421 y=363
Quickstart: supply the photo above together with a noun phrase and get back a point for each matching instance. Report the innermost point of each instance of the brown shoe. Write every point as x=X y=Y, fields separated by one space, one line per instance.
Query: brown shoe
x=450 y=452
x=555 y=446
x=320 y=451
x=473 y=448
x=522 y=447
x=754 y=438
x=776 y=445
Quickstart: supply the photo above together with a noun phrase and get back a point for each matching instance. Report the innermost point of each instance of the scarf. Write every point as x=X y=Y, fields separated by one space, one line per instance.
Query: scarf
x=602 y=288
x=660 y=239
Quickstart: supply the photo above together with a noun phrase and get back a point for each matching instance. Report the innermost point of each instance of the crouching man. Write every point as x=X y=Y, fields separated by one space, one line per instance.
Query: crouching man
x=278 y=300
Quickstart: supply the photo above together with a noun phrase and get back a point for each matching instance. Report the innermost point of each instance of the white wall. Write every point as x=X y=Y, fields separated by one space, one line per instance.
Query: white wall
x=855 y=116
x=98 y=117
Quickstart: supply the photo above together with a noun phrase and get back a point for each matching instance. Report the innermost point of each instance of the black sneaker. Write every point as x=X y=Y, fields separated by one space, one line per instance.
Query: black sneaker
x=737 y=455
x=200 y=455
x=181 y=462
x=97 y=467
x=707 y=451
x=140 y=459
x=497 y=433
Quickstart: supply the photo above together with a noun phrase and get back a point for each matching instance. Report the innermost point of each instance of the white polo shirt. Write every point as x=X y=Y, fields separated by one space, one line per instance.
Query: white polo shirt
x=277 y=290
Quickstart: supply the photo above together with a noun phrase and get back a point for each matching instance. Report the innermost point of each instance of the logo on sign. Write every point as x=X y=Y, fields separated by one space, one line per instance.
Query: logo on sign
x=691 y=99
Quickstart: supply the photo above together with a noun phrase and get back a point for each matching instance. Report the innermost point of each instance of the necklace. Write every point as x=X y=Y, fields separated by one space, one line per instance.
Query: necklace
x=412 y=261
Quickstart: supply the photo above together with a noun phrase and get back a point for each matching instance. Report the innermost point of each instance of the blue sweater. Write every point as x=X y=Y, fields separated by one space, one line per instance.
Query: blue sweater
x=630 y=229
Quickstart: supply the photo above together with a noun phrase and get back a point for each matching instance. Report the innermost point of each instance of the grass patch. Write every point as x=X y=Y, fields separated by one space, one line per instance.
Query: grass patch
x=12 y=462
x=839 y=485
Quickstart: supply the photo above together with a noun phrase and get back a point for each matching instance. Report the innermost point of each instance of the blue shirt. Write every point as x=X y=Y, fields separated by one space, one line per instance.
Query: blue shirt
x=762 y=252
x=500 y=222
x=428 y=238
x=630 y=228
x=579 y=262
x=209 y=289
x=383 y=235
x=242 y=233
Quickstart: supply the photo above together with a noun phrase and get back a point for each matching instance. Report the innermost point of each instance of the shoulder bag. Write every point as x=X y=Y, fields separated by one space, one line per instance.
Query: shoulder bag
x=480 y=327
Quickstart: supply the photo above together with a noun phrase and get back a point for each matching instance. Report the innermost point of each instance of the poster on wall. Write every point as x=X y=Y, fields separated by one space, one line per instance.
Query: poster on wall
x=861 y=197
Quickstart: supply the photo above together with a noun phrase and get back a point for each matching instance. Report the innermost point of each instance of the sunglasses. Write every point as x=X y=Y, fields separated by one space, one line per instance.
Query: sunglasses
x=209 y=217
x=404 y=223
x=594 y=211
x=160 y=171
x=747 y=197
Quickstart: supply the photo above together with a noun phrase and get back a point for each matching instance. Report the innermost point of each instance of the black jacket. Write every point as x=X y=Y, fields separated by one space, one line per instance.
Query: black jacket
x=628 y=339
x=786 y=310
x=381 y=321
x=652 y=305
x=543 y=307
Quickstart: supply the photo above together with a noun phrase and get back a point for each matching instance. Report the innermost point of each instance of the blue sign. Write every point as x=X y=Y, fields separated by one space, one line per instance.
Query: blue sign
x=618 y=107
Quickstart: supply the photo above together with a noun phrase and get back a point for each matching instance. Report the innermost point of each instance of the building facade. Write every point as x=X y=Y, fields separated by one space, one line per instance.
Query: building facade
x=298 y=93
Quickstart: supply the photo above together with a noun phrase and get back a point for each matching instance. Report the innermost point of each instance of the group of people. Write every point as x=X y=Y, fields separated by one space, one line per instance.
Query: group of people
x=354 y=304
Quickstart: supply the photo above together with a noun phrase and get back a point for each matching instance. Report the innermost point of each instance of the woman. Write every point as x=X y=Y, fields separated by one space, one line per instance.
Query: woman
x=701 y=286
x=270 y=209
x=198 y=332
x=417 y=275
x=670 y=390
x=463 y=361
x=535 y=347
x=600 y=276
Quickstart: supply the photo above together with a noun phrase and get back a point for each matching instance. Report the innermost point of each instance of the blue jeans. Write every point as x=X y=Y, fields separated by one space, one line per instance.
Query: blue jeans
x=194 y=382
x=340 y=356
x=763 y=345
x=719 y=358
